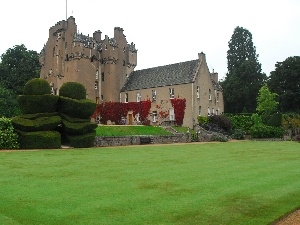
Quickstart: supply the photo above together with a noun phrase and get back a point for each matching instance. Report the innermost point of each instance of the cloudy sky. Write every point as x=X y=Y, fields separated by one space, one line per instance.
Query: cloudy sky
x=163 y=31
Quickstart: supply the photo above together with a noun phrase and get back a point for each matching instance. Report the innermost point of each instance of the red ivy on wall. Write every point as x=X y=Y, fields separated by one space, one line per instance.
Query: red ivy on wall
x=179 y=105
x=114 y=111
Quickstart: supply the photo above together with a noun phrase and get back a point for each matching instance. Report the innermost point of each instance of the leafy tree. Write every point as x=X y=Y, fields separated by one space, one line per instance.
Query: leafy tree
x=285 y=81
x=8 y=103
x=244 y=77
x=266 y=101
x=18 y=65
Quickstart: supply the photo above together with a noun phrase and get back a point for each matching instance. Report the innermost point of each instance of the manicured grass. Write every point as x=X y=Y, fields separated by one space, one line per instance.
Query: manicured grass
x=129 y=130
x=213 y=183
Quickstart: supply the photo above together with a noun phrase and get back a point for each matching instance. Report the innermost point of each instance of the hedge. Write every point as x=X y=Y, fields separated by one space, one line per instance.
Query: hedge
x=78 y=128
x=73 y=90
x=73 y=119
x=37 y=124
x=37 y=86
x=40 y=140
x=82 y=141
x=30 y=104
x=76 y=108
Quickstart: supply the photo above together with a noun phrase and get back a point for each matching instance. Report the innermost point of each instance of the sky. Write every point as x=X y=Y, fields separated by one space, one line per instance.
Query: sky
x=163 y=31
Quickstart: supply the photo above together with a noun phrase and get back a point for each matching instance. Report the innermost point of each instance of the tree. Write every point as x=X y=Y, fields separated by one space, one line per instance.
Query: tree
x=285 y=81
x=8 y=103
x=244 y=77
x=266 y=101
x=18 y=65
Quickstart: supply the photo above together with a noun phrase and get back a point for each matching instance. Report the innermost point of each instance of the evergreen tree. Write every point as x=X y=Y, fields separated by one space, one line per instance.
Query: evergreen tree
x=285 y=81
x=244 y=77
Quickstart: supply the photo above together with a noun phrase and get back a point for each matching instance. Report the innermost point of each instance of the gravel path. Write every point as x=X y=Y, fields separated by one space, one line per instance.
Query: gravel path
x=291 y=219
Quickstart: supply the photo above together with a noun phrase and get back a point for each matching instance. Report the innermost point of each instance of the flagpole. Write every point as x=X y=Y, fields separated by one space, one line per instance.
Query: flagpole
x=66 y=9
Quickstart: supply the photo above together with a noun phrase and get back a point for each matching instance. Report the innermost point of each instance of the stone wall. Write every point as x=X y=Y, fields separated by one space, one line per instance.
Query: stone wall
x=139 y=140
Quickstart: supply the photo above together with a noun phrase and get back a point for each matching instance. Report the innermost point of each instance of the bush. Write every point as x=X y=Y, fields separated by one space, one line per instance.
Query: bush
x=36 y=124
x=244 y=122
x=275 y=120
x=238 y=134
x=30 y=104
x=78 y=128
x=81 y=141
x=40 y=140
x=37 y=86
x=202 y=120
x=263 y=131
x=222 y=121
x=73 y=119
x=8 y=137
x=73 y=90
x=76 y=108
x=218 y=137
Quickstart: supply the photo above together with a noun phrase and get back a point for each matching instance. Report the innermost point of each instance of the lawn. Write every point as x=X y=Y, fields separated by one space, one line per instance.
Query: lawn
x=248 y=182
x=130 y=130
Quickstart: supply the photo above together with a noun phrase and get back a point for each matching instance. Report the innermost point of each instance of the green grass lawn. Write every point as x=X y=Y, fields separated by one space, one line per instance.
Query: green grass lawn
x=129 y=130
x=213 y=183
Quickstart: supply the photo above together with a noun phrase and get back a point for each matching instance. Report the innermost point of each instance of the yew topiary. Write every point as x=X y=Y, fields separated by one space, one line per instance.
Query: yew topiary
x=37 y=86
x=73 y=90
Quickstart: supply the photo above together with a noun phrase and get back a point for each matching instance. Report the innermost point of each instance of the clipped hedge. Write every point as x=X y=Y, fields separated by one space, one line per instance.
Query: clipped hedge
x=38 y=115
x=36 y=124
x=78 y=128
x=263 y=131
x=73 y=90
x=73 y=119
x=82 y=141
x=40 y=140
x=275 y=120
x=30 y=104
x=76 y=108
x=37 y=86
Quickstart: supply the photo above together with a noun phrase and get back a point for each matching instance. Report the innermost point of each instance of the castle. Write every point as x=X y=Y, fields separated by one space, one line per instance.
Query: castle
x=106 y=68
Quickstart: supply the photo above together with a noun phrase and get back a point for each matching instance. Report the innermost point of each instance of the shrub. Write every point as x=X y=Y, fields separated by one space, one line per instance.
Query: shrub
x=222 y=121
x=36 y=124
x=40 y=140
x=8 y=137
x=37 y=86
x=73 y=90
x=238 y=134
x=244 y=122
x=275 y=120
x=263 y=131
x=30 y=104
x=202 y=120
x=76 y=108
x=218 y=137
x=78 y=128
x=82 y=141
x=73 y=119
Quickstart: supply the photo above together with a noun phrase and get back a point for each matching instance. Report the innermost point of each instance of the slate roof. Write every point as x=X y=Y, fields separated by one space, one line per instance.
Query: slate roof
x=173 y=74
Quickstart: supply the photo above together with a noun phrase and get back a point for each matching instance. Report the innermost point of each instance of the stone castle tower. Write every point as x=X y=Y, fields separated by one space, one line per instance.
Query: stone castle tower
x=102 y=66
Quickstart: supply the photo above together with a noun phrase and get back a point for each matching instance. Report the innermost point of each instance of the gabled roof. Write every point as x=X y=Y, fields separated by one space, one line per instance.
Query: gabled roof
x=179 y=73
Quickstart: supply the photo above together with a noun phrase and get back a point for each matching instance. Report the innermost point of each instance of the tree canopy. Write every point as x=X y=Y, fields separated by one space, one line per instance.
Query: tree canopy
x=244 y=77
x=18 y=65
x=8 y=103
x=266 y=101
x=285 y=81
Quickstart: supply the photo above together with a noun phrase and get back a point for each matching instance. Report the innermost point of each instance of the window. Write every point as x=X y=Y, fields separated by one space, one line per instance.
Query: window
x=138 y=97
x=213 y=111
x=199 y=110
x=102 y=97
x=66 y=45
x=123 y=62
x=171 y=114
x=102 y=76
x=208 y=111
x=124 y=49
x=217 y=96
x=171 y=92
x=137 y=117
x=209 y=94
x=154 y=116
x=97 y=74
x=217 y=112
x=96 y=85
x=198 y=92
x=54 y=52
x=105 y=47
x=153 y=95
x=126 y=97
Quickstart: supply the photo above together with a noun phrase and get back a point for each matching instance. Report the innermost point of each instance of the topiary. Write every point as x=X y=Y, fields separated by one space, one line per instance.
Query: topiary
x=73 y=90
x=37 y=86
x=31 y=104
